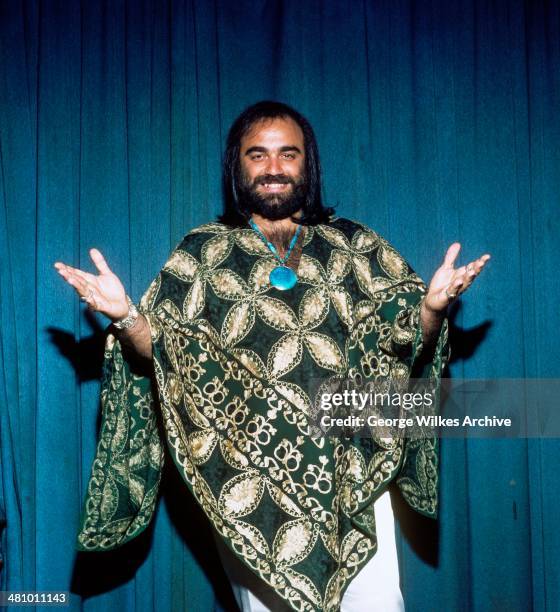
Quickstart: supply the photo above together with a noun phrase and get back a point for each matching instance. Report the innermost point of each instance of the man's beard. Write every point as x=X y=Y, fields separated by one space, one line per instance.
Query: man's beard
x=273 y=206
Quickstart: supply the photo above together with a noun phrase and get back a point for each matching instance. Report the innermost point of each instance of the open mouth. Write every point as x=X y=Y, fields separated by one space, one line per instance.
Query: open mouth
x=274 y=187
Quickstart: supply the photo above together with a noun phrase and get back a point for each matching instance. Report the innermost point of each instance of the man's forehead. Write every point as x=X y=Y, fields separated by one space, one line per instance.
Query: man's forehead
x=278 y=129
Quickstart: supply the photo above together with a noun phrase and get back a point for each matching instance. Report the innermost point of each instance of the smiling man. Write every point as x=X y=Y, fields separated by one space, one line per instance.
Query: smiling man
x=245 y=314
x=272 y=172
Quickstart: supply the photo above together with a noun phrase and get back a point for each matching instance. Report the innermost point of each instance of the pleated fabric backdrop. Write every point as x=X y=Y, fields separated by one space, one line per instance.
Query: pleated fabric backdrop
x=437 y=121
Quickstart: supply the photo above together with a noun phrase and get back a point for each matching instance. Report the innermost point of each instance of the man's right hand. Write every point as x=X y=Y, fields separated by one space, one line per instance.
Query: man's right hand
x=103 y=293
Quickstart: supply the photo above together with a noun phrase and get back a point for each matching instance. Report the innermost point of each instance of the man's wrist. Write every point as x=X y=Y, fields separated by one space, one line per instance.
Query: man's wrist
x=131 y=318
x=432 y=312
x=431 y=322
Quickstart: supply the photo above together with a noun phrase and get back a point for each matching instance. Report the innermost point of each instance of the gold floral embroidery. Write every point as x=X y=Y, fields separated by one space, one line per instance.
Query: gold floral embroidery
x=238 y=323
x=284 y=355
x=241 y=495
x=201 y=444
x=313 y=307
x=392 y=262
x=228 y=285
x=277 y=314
x=292 y=541
x=325 y=351
x=182 y=265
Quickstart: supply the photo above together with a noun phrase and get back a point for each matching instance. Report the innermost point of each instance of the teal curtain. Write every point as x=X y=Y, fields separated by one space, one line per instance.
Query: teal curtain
x=437 y=121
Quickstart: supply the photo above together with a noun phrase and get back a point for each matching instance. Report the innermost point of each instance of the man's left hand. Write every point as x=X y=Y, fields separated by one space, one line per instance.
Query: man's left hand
x=449 y=282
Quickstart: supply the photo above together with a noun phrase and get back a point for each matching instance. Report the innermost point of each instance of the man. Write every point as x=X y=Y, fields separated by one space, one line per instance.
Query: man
x=243 y=316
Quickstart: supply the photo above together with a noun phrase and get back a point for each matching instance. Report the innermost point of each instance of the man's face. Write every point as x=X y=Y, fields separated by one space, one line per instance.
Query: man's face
x=272 y=161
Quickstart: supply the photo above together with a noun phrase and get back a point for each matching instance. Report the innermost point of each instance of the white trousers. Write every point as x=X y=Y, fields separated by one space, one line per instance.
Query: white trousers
x=374 y=589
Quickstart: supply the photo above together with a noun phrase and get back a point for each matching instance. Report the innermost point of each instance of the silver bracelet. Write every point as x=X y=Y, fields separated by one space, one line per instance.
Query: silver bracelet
x=130 y=319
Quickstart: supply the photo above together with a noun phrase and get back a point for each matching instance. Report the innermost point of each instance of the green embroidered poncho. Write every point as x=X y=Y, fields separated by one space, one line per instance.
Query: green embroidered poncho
x=233 y=358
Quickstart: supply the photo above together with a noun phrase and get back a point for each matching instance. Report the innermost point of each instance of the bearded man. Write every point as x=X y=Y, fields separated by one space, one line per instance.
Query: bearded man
x=246 y=313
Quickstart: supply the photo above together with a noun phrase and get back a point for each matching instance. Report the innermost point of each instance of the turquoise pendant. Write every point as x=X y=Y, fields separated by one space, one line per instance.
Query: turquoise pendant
x=283 y=278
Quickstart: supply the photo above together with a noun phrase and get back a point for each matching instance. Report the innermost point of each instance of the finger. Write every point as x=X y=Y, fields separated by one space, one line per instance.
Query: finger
x=482 y=261
x=472 y=269
x=451 y=255
x=451 y=292
x=455 y=287
x=86 y=276
x=477 y=265
x=459 y=275
x=99 y=261
x=462 y=282
x=65 y=273
x=61 y=267
x=80 y=284
x=82 y=288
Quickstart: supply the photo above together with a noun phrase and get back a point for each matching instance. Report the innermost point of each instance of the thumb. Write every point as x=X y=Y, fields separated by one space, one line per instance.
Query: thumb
x=99 y=261
x=451 y=255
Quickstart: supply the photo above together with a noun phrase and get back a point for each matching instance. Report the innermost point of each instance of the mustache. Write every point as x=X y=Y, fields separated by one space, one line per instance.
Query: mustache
x=281 y=179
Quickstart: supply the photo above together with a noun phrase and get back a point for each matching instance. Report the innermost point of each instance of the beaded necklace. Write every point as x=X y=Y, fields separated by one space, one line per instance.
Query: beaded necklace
x=282 y=277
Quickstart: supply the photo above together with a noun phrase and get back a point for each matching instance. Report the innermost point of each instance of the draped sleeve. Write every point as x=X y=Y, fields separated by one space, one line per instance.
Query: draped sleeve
x=122 y=490
x=386 y=342
x=418 y=477
x=123 y=486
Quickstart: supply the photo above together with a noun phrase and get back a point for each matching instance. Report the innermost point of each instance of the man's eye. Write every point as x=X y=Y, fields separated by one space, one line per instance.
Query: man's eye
x=289 y=156
x=257 y=156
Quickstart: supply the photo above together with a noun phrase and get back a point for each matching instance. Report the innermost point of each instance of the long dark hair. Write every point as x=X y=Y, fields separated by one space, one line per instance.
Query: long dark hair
x=234 y=213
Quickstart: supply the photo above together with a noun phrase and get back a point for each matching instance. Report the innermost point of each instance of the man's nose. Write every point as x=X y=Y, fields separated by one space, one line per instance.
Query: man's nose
x=274 y=166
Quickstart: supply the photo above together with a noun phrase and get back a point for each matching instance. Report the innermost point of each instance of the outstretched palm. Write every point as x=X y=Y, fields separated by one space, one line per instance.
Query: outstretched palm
x=448 y=282
x=103 y=292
